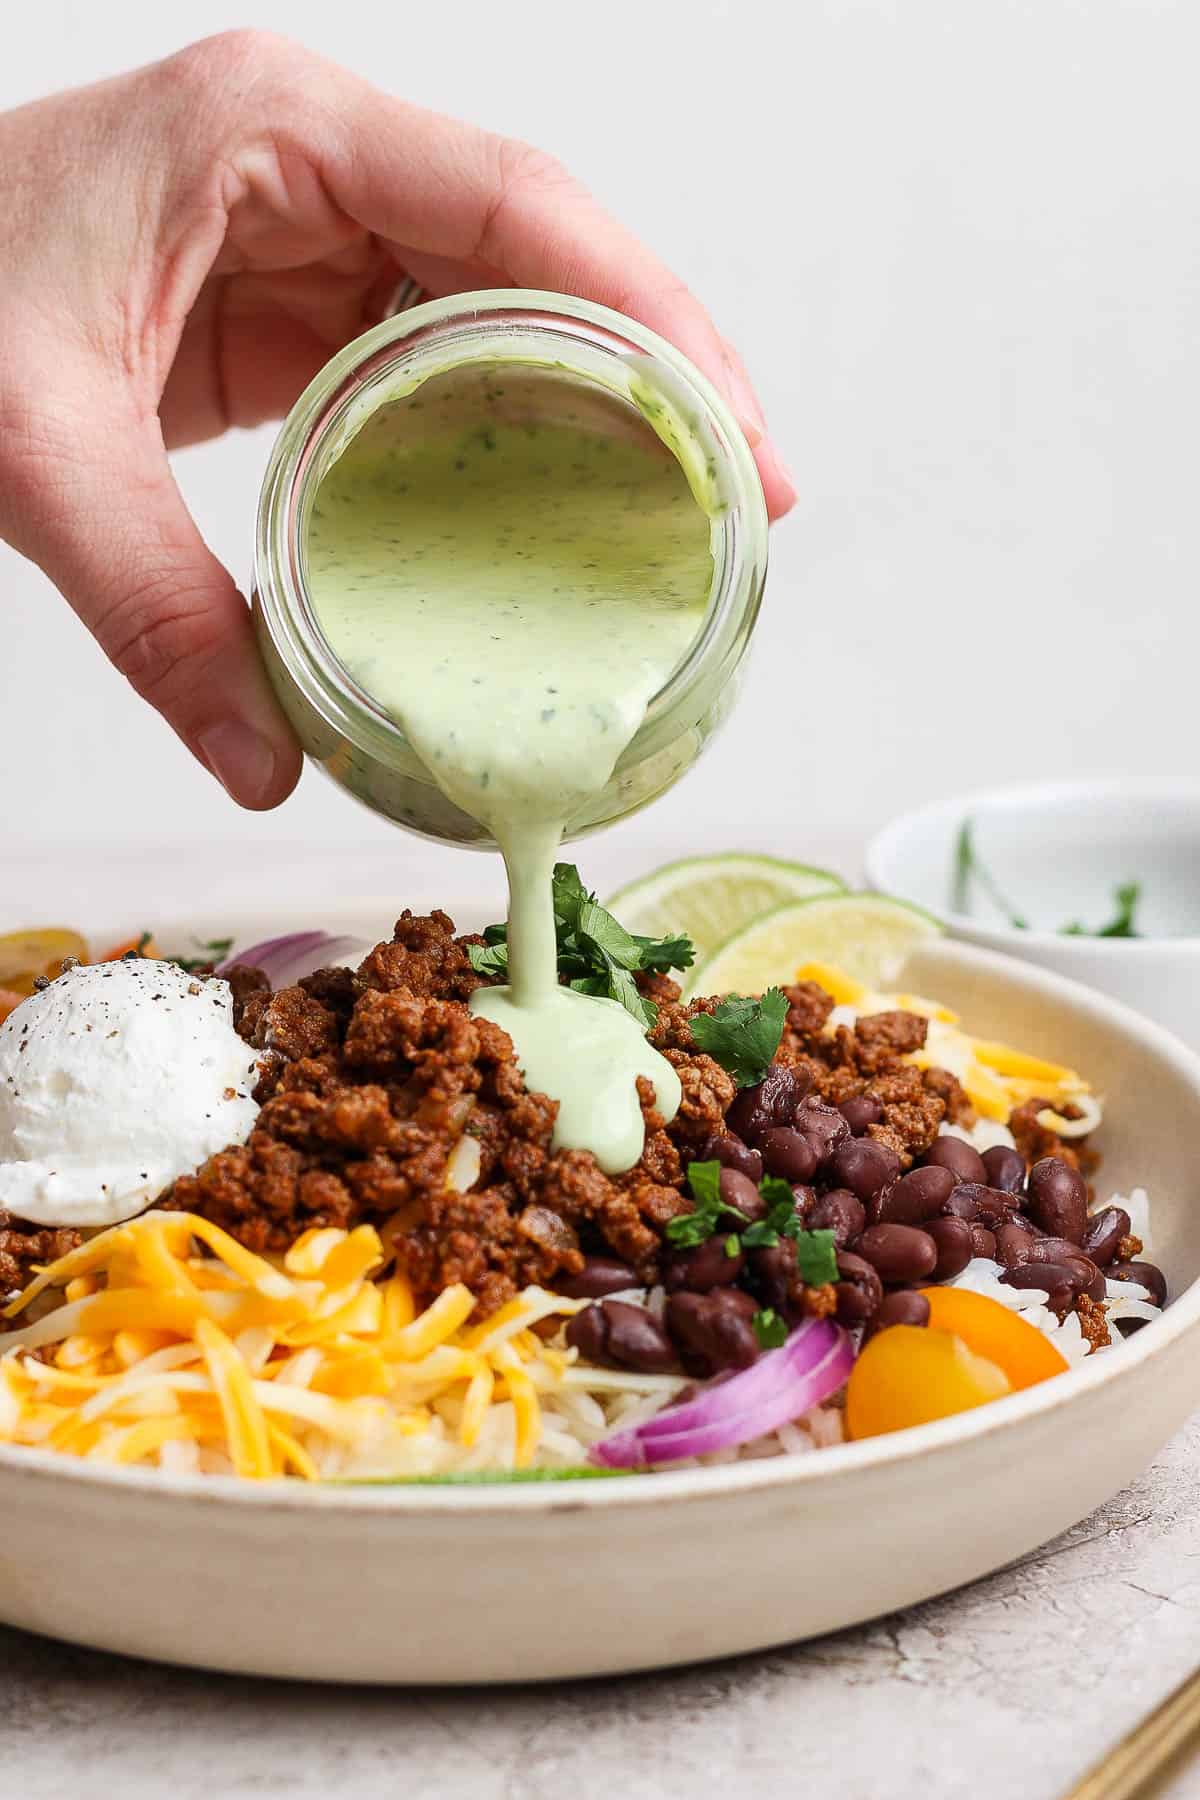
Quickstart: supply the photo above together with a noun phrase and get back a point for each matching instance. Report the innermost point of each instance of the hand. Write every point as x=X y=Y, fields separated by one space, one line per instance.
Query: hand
x=183 y=248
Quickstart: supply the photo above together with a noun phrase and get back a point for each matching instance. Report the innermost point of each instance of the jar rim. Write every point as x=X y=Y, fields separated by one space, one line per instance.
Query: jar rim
x=529 y=317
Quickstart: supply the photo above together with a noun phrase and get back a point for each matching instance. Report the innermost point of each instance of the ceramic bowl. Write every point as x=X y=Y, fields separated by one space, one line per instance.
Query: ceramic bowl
x=1057 y=851
x=521 y=1584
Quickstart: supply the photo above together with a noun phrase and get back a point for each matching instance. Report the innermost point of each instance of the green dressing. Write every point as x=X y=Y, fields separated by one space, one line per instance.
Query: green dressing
x=514 y=588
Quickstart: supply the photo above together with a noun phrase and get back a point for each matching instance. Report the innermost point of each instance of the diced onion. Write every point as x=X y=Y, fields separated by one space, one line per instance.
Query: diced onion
x=781 y=1386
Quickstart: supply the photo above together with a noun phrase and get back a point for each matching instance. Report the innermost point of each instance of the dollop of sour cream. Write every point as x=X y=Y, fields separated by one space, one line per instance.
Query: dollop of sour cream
x=114 y=1080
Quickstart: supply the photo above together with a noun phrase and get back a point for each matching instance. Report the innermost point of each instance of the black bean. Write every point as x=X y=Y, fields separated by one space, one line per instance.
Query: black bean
x=860 y=1111
x=1104 y=1232
x=1058 y=1199
x=771 y=1101
x=1060 y=1284
x=824 y=1124
x=863 y=1166
x=898 y=1252
x=787 y=1152
x=952 y=1240
x=914 y=1198
x=983 y=1242
x=599 y=1276
x=904 y=1307
x=714 y=1331
x=588 y=1333
x=613 y=1331
x=1013 y=1246
x=1149 y=1275
x=707 y=1266
x=773 y=1273
x=841 y=1212
x=859 y=1289
x=961 y=1204
x=952 y=1153
x=992 y=1207
x=738 y=1190
x=804 y=1198
x=1061 y=1251
x=1004 y=1168
x=731 y=1153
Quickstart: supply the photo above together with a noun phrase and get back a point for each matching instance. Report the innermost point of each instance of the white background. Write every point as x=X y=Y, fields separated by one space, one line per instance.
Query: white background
x=959 y=244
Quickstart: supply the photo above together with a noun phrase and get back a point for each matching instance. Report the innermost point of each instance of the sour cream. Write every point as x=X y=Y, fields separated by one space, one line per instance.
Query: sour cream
x=114 y=1080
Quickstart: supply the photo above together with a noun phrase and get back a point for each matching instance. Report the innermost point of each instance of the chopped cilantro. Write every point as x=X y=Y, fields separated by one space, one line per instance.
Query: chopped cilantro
x=215 y=951
x=1125 y=899
x=743 y=1034
x=687 y=1230
x=782 y=1220
x=769 y=1328
x=968 y=867
x=816 y=1257
x=596 y=955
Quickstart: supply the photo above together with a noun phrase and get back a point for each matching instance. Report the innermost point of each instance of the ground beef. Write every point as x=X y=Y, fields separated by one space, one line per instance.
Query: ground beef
x=1034 y=1140
x=1093 y=1322
x=372 y=1080
x=425 y=958
x=23 y=1245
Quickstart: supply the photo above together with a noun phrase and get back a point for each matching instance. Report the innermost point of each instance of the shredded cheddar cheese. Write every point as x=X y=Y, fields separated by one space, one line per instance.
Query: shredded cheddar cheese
x=996 y=1077
x=315 y=1365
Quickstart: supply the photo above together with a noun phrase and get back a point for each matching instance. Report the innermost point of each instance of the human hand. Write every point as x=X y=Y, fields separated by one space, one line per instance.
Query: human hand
x=184 y=247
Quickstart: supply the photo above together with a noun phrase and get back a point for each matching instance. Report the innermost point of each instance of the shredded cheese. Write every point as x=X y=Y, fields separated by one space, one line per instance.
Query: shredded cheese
x=315 y=1364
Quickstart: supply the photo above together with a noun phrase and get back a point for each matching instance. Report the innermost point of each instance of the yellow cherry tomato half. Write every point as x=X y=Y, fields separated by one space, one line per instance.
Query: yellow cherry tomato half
x=24 y=955
x=992 y=1329
x=911 y=1374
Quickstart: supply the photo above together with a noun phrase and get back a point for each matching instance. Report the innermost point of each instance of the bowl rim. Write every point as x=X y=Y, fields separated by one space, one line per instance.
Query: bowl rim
x=634 y=1491
x=884 y=847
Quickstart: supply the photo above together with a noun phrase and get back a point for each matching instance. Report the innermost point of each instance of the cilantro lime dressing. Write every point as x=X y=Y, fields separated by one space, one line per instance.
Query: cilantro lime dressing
x=514 y=582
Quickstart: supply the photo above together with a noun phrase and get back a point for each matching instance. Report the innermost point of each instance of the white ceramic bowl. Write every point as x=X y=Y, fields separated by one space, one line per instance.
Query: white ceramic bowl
x=472 y=1584
x=1057 y=851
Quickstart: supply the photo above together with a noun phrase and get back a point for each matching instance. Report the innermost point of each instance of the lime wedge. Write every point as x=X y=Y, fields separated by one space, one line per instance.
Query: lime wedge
x=712 y=897
x=866 y=936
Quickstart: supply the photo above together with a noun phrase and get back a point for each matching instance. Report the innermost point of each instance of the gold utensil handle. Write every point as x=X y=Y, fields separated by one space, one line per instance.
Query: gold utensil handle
x=1144 y=1756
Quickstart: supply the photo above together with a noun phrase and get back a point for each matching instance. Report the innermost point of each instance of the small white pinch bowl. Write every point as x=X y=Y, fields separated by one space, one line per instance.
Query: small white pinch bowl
x=450 y=1585
x=1057 y=851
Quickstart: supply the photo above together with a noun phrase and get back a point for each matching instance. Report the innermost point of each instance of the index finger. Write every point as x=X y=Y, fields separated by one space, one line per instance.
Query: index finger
x=450 y=196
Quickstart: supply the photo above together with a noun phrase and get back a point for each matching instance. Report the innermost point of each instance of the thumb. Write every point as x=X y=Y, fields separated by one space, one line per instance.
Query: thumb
x=106 y=522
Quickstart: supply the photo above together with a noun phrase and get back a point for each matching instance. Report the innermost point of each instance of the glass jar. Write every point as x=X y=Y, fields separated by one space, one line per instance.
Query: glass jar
x=566 y=354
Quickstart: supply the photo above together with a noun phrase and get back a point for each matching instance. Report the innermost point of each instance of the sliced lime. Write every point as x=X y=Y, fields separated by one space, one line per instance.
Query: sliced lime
x=712 y=897
x=866 y=936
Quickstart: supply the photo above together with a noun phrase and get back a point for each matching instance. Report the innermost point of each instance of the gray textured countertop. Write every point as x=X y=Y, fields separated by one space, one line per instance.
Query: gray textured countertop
x=1006 y=1689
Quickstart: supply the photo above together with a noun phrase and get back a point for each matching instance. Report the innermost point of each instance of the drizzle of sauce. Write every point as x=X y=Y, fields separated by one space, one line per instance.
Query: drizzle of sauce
x=514 y=587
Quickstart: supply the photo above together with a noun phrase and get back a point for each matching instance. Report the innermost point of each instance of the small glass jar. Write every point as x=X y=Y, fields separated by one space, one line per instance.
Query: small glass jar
x=561 y=348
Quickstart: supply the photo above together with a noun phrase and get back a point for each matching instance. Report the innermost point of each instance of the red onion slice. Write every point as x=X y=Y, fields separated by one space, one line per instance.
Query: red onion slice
x=283 y=960
x=781 y=1386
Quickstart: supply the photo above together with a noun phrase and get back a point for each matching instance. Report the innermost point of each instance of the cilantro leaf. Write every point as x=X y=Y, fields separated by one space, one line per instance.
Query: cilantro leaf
x=743 y=1034
x=215 y=951
x=661 y=955
x=489 y=959
x=968 y=868
x=687 y=1230
x=1125 y=899
x=596 y=955
x=769 y=1328
x=704 y=1179
x=816 y=1257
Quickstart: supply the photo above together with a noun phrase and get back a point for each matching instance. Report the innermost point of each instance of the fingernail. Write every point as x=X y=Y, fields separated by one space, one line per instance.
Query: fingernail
x=242 y=760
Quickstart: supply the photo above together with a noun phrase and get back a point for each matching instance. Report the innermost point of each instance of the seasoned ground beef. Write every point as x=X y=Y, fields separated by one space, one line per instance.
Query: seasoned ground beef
x=24 y=1246
x=384 y=1099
